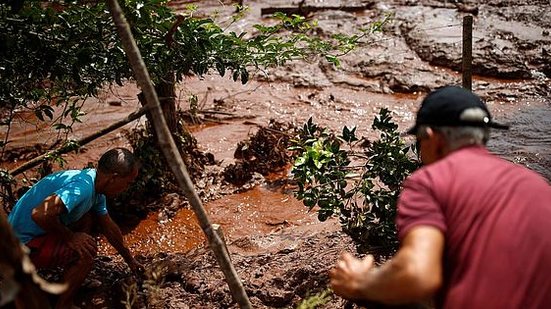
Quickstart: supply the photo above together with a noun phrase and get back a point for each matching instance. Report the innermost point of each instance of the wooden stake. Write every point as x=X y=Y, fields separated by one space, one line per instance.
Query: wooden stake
x=467 y=52
x=218 y=230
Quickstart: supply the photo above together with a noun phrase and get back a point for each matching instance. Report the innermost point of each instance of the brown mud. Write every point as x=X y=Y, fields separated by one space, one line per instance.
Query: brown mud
x=280 y=251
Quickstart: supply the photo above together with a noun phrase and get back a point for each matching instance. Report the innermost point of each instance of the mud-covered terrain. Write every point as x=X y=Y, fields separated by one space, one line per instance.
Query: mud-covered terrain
x=280 y=251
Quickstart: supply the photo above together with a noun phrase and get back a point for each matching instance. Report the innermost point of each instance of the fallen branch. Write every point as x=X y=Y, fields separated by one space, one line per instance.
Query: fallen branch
x=81 y=142
x=172 y=155
x=267 y=128
x=306 y=10
x=213 y=112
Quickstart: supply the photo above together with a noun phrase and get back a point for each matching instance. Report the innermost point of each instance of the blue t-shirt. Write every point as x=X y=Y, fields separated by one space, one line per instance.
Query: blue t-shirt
x=74 y=187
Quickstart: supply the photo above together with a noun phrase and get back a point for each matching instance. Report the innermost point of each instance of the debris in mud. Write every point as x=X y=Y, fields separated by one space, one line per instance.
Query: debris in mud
x=263 y=153
x=278 y=270
x=156 y=177
x=169 y=204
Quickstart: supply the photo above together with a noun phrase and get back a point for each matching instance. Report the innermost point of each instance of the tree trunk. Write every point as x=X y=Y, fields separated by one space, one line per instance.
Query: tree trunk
x=186 y=143
x=166 y=92
x=167 y=96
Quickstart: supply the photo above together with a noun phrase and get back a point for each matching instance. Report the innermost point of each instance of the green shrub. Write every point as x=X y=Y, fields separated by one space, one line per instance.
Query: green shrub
x=363 y=196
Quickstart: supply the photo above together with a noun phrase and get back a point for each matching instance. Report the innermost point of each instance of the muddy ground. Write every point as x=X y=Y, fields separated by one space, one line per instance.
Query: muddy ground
x=280 y=251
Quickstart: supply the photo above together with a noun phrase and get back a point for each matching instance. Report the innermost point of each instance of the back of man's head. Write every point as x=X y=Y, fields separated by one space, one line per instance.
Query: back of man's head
x=118 y=160
x=453 y=106
x=458 y=114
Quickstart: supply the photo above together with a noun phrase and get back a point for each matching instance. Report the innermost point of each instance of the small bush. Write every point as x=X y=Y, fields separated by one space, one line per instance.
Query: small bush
x=363 y=196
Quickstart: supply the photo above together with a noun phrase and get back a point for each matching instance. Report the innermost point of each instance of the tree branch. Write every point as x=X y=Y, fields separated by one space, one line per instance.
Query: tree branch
x=66 y=148
x=169 y=38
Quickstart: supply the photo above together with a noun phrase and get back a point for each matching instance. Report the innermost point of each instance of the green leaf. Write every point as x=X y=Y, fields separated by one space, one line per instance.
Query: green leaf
x=333 y=59
x=38 y=114
x=324 y=214
x=49 y=112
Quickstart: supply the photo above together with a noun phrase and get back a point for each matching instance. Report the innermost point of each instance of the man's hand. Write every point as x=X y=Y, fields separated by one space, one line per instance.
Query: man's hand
x=136 y=267
x=413 y=274
x=350 y=276
x=114 y=236
x=84 y=244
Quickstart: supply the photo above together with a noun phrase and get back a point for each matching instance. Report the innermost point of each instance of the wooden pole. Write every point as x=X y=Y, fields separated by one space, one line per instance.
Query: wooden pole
x=172 y=154
x=218 y=230
x=467 y=69
x=306 y=9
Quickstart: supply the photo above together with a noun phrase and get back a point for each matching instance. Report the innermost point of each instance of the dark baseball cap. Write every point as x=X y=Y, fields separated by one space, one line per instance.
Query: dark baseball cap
x=453 y=106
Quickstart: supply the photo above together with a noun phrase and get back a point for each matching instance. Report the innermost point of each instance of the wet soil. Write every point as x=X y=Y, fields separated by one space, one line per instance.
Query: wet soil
x=280 y=250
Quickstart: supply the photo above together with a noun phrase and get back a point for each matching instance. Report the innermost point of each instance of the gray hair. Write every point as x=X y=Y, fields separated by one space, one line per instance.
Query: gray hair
x=118 y=160
x=458 y=137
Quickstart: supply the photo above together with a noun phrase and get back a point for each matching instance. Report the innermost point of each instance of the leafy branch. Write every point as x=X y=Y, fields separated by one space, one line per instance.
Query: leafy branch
x=363 y=196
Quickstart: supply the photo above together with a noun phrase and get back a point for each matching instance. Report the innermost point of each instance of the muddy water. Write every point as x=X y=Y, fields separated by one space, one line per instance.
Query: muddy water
x=111 y=105
x=259 y=211
x=262 y=209
x=527 y=141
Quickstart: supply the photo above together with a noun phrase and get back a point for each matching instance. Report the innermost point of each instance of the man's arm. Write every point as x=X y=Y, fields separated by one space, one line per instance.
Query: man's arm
x=413 y=274
x=114 y=236
x=46 y=215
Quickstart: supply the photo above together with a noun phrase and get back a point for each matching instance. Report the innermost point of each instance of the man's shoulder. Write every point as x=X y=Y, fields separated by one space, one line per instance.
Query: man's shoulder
x=454 y=164
x=469 y=156
x=473 y=165
x=482 y=160
x=83 y=179
x=72 y=175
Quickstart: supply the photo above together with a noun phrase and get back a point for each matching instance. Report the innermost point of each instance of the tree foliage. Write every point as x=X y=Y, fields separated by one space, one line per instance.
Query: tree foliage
x=54 y=55
x=363 y=196
x=62 y=52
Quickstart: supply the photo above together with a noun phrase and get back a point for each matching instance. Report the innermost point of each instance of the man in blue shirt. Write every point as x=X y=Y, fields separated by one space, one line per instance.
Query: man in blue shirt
x=55 y=217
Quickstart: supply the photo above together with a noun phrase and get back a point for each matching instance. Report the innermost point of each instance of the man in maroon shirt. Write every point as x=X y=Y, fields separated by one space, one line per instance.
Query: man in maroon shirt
x=475 y=230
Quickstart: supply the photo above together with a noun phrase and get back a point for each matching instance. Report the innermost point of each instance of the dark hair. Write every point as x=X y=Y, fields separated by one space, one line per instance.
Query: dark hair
x=118 y=160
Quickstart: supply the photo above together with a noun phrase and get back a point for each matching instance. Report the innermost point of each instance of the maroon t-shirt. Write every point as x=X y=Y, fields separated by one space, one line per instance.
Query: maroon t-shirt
x=496 y=218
